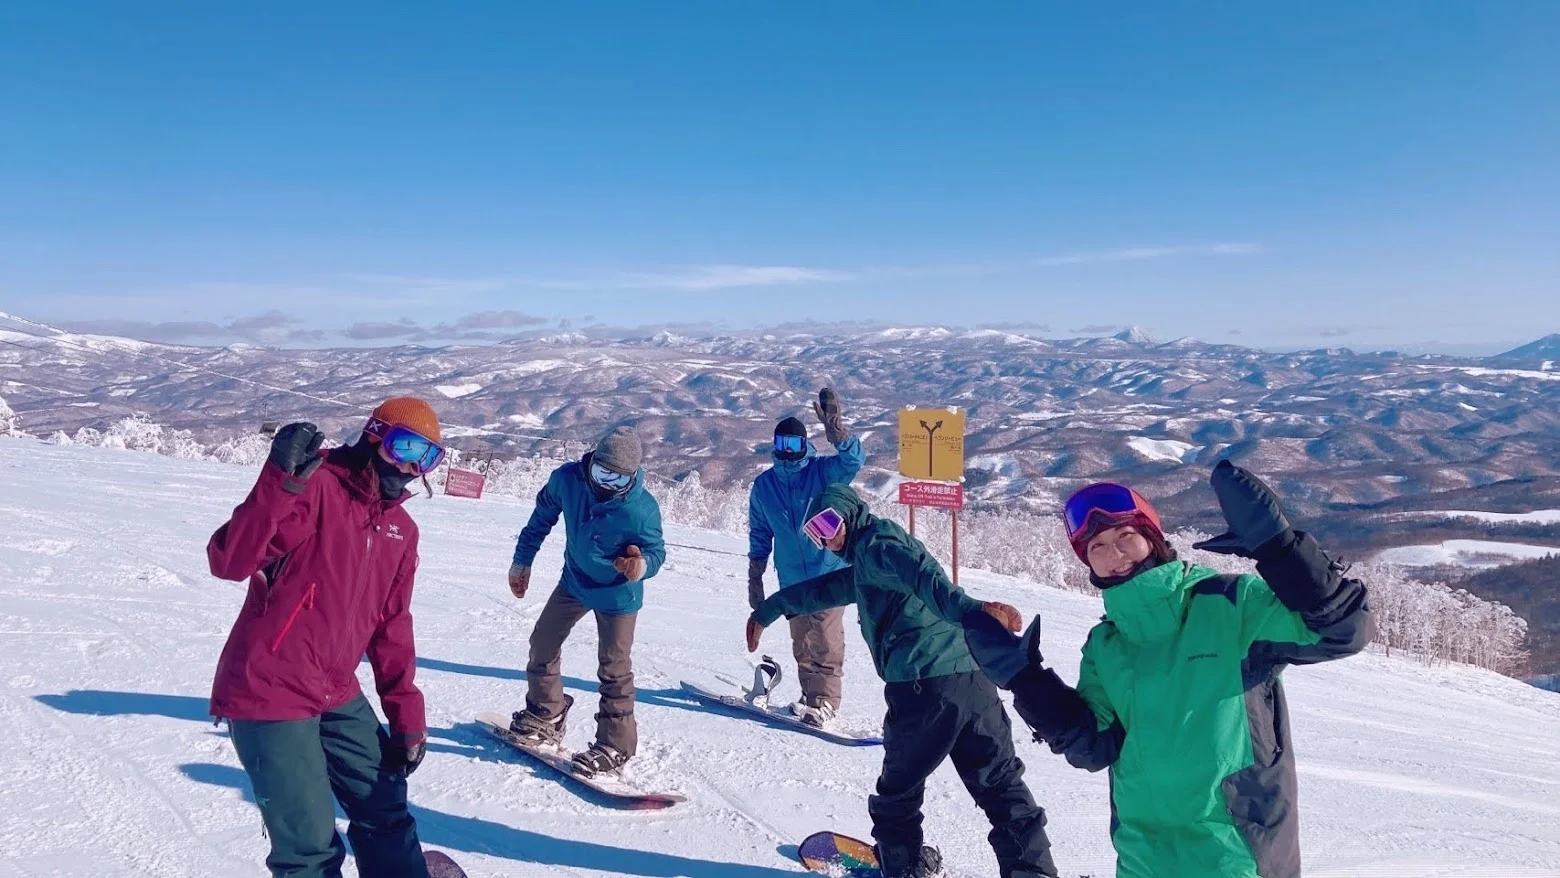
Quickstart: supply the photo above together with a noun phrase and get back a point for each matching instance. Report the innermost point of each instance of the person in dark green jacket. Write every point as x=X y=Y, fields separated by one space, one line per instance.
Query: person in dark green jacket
x=1180 y=692
x=939 y=704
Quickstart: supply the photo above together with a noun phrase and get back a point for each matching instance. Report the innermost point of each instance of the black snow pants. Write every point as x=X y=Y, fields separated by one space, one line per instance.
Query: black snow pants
x=957 y=716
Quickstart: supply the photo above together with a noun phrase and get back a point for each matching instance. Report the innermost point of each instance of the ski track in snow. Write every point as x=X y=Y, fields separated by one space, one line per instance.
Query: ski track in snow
x=112 y=628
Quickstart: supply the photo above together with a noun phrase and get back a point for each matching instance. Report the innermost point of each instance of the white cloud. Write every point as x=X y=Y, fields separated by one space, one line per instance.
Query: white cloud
x=702 y=278
x=1142 y=254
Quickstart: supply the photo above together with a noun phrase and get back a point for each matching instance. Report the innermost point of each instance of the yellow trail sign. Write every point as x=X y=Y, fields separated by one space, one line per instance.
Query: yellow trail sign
x=931 y=444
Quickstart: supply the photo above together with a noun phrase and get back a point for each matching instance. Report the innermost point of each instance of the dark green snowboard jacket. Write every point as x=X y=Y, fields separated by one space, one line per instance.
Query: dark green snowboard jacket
x=911 y=615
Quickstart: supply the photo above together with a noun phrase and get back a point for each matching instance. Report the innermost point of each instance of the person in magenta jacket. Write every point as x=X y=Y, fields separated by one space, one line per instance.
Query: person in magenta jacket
x=330 y=555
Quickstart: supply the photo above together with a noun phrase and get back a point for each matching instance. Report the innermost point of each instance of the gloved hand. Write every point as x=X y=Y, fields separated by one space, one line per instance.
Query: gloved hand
x=828 y=409
x=1256 y=519
x=631 y=564
x=756 y=582
x=755 y=632
x=519 y=579
x=1001 y=654
x=402 y=757
x=296 y=449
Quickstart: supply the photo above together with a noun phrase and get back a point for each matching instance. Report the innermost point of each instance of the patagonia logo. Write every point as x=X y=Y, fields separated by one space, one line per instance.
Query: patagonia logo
x=1202 y=655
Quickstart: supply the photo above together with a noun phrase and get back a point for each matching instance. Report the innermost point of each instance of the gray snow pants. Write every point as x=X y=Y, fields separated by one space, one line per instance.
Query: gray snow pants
x=615 y=725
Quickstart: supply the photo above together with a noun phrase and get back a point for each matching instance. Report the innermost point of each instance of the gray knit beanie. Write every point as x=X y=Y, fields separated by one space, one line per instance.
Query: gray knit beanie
x=620 y=451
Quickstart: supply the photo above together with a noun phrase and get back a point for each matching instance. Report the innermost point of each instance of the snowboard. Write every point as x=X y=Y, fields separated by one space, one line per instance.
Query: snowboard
x=840 y=856
x=614 y=790
x=755 y=702
x=441 y=866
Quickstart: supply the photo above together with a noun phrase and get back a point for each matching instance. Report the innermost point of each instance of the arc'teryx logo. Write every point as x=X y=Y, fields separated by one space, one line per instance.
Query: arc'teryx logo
x=394 y=532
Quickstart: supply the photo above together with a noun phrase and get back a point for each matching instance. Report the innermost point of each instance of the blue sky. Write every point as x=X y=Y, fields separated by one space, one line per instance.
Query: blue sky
x=1278 y=174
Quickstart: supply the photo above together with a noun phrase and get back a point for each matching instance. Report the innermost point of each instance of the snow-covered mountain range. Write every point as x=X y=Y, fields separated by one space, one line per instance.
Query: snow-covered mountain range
x=1332 y=427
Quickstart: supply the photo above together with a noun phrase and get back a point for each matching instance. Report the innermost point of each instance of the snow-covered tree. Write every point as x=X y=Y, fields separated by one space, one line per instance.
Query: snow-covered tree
x=10 y=422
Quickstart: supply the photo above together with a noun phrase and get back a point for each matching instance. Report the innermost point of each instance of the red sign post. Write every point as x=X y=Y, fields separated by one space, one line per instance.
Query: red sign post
x=936 y=495
x=464 y=483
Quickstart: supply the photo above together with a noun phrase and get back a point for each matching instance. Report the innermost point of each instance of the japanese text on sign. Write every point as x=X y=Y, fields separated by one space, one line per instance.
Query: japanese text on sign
x=936 y=495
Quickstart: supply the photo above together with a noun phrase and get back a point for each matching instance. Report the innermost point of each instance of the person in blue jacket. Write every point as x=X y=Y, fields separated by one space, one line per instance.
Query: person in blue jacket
x=777 y=508
x=612 y=545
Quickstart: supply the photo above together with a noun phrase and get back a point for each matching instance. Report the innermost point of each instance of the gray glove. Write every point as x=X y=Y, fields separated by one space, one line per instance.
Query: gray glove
x=1251 y=510
x=519 y=579
x=828 y=409
x=756 y=582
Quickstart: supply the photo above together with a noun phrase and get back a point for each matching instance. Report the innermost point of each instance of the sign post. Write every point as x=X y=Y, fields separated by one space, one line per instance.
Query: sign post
x=931 y=458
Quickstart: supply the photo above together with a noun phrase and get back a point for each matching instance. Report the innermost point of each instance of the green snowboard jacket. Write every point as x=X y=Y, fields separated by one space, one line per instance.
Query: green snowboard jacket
x=1182 y=699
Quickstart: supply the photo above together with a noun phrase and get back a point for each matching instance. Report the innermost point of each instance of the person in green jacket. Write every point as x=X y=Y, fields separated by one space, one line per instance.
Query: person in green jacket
x=939 y=704
x=1180 y=693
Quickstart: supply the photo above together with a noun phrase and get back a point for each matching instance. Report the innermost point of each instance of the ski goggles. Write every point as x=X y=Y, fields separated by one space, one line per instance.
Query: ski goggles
x=405 y=445
x=787 y=444
x=612 y=480
x=823 y=527
x=1104 y=498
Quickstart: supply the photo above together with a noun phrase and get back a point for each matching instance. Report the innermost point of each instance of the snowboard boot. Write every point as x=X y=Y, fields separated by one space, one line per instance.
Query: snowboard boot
x=817 y=715
x=539 y=731
x=599 y=759
x=905 y=863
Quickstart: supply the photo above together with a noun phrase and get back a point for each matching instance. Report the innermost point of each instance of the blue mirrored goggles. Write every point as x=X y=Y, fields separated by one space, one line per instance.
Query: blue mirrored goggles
x=610 y=479
x=405 y=445
x=788 y=444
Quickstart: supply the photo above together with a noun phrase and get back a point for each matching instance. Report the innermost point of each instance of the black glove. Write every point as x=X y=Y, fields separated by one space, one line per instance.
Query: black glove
x=296 y=449
x=756 y=582
x=1001 y=654
x=1256 y=519
x=828 y=410
x=403 y=758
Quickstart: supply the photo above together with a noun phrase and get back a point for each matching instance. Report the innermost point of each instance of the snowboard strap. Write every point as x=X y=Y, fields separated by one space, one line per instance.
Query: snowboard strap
x=765 y=676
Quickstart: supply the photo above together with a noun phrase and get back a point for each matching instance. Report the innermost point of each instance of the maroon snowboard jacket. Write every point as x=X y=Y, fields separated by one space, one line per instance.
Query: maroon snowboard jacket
x=330 y=568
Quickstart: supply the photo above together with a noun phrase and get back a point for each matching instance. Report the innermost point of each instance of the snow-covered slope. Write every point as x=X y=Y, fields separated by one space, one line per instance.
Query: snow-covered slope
x=1464 y=553
x=111 y=627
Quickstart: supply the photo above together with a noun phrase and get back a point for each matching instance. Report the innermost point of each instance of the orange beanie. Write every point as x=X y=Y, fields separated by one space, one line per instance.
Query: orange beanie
x=412 y=413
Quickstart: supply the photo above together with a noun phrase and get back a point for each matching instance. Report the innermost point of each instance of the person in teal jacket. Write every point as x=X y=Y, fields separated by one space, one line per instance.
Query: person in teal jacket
x=939 y=704
x=777 y=505
x=612 y=545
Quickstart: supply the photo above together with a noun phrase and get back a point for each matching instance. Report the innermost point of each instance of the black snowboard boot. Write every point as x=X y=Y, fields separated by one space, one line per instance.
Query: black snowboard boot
x=905 y=863
x=539 y=731
x=599 y=759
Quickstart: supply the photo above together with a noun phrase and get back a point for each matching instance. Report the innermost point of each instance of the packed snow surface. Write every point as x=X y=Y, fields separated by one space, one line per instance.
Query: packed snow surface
x=1465 y=553
x=111 y=626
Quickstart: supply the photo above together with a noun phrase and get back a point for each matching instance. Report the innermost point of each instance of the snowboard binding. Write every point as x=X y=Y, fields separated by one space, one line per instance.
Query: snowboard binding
x=765 y=676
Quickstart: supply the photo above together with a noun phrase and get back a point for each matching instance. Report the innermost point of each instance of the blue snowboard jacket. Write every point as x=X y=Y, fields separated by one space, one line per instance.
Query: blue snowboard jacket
x=596 y=532
x=777 y=508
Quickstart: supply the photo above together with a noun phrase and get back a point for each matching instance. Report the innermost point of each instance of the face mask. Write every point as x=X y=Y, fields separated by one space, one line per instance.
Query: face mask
x=391 y=480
